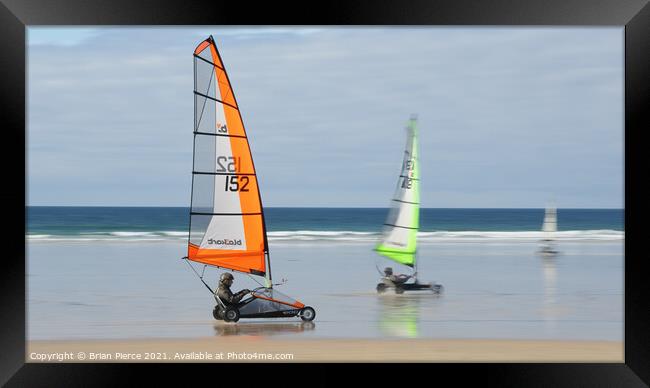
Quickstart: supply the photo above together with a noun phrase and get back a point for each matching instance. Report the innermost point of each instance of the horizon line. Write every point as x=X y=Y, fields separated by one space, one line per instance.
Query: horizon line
x=332 y=207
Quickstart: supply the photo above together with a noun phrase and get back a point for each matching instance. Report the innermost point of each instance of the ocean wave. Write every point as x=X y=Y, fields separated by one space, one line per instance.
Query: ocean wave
x=175 y=234
x=39 y=236
x=349 y=236
x=131 y=234
x=111 y=236
x=568 y=235
x=314 y=235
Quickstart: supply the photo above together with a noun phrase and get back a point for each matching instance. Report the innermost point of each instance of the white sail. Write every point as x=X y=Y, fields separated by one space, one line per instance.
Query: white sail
x=549 y=227
x=550 y=220
x=399 y=238
x=227 y=228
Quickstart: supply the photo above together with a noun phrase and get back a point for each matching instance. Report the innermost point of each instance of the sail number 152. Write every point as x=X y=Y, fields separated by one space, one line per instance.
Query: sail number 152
x=236 y=183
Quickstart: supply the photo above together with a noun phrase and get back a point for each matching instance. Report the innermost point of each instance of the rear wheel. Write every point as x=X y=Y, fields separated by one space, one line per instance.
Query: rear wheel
x=231 y=315
x=215 y=313
x=399 y=290
x=437 y=288
x=307 y=314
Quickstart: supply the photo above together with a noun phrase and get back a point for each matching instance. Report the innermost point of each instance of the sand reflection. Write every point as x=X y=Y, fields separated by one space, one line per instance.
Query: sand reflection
x=261 y=328
x=550 y=308
x=399 y=314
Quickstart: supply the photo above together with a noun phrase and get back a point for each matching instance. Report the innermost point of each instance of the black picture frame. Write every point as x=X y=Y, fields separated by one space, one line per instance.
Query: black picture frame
x=17 y=15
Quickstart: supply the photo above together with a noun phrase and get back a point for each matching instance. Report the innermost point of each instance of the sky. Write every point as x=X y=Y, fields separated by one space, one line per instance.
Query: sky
x=507 y=117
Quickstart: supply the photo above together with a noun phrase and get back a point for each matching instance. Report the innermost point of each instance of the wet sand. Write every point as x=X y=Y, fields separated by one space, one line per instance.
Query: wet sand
x=493 y=290
x=501 y=304
x=265 y=349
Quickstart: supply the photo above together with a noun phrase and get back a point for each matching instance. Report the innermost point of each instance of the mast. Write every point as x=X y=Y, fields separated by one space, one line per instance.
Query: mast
x=412 y=124
x=415 y=266
x=267 y=278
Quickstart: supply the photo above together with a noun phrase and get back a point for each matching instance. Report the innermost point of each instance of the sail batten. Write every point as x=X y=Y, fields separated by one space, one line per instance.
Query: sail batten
x=218 y=134
x=225 y=214
x=205 y=60
x=227 y=228
x=399 y=200
x=214 y=99
x=399 y=238
x=401 y=226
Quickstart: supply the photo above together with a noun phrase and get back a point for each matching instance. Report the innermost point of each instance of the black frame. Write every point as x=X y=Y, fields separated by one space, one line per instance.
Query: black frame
x=16 y=15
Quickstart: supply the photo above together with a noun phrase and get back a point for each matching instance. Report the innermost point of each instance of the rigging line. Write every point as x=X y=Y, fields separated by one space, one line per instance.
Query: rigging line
x=255 y=280
x=378 y=270
x=204 y=101
x=197 y=274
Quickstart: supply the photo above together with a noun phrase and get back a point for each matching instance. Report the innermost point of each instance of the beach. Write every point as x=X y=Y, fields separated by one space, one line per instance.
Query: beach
x=508 y=201
x=254 y=349
x=502 y=302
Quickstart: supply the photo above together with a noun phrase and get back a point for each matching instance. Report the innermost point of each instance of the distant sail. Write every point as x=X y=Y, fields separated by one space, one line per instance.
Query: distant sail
x=226 y=221
x=399 y=238
x=550 y=220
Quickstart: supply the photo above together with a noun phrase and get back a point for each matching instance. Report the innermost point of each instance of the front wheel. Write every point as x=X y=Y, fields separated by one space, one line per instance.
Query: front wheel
x=231 y=315
x=399 y=290
x=381 y=288
x=307 y=314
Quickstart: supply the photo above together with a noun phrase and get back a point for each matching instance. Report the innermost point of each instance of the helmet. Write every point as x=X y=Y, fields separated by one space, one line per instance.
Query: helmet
x=226 y=276
x=388 y=271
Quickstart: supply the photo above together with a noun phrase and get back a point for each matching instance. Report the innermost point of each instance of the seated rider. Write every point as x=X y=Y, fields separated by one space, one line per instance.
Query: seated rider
x=397 y=279
x=224 y=293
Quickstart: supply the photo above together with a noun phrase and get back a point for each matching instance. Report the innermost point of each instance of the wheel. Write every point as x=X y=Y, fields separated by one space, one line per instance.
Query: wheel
x=399 y=290
x=215 y=313
x=381 y=288
x=307 y=314
x=231 y=315
x=437 y=289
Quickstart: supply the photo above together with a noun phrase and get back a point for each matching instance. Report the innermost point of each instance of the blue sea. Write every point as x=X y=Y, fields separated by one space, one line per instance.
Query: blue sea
x=138 y=223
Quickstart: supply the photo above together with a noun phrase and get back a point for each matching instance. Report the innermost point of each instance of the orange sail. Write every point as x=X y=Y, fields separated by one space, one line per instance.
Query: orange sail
x=227 y=227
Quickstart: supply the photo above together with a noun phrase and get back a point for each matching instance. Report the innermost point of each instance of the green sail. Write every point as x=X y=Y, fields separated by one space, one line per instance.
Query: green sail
x=399 y=238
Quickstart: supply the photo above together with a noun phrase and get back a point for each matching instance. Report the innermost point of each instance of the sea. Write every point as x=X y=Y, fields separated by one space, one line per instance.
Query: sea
x=118 y=273
x=308 y=224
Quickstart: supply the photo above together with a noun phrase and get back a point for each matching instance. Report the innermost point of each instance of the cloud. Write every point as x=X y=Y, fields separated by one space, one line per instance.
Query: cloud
x=507 y=115
x=59 y=36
